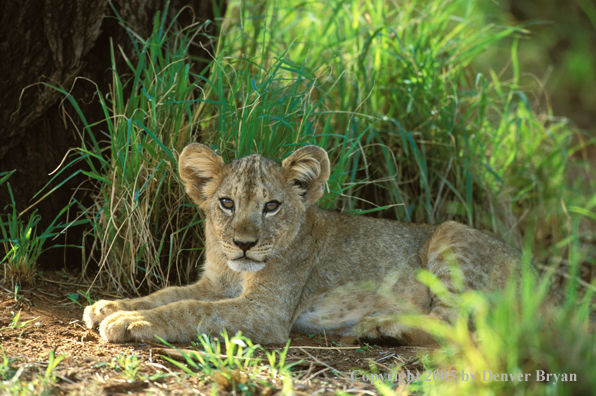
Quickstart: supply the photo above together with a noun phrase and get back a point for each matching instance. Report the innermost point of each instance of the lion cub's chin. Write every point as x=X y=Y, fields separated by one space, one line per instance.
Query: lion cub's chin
x=246 y=265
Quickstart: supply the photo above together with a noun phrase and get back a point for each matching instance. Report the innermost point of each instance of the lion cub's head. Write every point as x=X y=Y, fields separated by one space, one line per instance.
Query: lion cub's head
x=254 y=205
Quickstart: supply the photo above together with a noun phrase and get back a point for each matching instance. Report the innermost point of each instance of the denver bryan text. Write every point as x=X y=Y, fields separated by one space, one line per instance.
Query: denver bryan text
x=452 y=375
x=541 y=376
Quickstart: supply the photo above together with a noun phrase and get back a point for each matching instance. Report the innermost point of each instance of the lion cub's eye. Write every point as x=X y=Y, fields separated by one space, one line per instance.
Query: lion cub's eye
x=271 y=207
x=226 y=203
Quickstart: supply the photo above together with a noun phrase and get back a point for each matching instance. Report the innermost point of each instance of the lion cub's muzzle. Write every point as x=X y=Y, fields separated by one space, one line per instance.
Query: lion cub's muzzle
x=245 y=255
x=242 y=249
x=245 y=245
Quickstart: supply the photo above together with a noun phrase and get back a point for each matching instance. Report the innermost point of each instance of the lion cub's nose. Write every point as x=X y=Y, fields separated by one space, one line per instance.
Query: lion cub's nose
x=245 y=245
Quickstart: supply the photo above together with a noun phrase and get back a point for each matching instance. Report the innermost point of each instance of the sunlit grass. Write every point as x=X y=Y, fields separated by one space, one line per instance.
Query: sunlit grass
x=233 y=365
x=45 y=383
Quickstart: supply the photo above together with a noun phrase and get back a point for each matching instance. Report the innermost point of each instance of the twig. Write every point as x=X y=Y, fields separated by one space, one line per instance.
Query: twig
x=64 y=283
x=385 y=357
x=332 y=347
x=182 y=354
x=6 y=290
x=42 y=297
x=313 y=375
x=322 y=363
x=565 y=275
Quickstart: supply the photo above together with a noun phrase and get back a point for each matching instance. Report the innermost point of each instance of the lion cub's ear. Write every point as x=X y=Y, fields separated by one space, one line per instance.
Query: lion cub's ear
x=308 y=169
x=200 y=169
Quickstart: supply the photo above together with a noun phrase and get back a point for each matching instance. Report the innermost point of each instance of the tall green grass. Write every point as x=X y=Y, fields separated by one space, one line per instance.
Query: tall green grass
x=389 y=89
x=435 y=139
x=145 y=235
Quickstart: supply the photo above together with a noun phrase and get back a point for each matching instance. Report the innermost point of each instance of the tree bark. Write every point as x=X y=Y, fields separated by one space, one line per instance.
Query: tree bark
x=58 y=41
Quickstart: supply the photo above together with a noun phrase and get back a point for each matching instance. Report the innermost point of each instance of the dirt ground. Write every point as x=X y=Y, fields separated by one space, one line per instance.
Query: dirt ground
x=324 y=366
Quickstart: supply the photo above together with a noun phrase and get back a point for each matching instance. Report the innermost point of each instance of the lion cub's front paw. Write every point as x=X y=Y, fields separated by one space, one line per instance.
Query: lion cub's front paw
x=129 y=326
x=96 y=313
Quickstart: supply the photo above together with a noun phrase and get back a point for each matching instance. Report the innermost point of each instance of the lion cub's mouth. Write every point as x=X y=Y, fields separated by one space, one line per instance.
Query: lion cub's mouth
x=246 y=264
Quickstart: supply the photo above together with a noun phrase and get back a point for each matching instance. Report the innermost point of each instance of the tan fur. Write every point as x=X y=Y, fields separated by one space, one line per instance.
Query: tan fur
x=301 y=267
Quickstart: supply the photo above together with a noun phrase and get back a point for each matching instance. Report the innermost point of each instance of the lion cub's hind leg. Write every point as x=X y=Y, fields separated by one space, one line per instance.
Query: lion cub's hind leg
x=338 y=311
x=485 y=263
x=343 y=310
x=407 y=296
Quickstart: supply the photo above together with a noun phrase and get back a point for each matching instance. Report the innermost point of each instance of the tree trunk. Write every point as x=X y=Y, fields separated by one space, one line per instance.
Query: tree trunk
x=57 y=41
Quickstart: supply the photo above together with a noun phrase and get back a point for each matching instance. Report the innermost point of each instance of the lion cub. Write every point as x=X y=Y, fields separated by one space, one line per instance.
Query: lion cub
x=276 y=262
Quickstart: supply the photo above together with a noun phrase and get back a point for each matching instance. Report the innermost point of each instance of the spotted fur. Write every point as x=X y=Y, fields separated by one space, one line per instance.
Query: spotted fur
x=300 y=267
